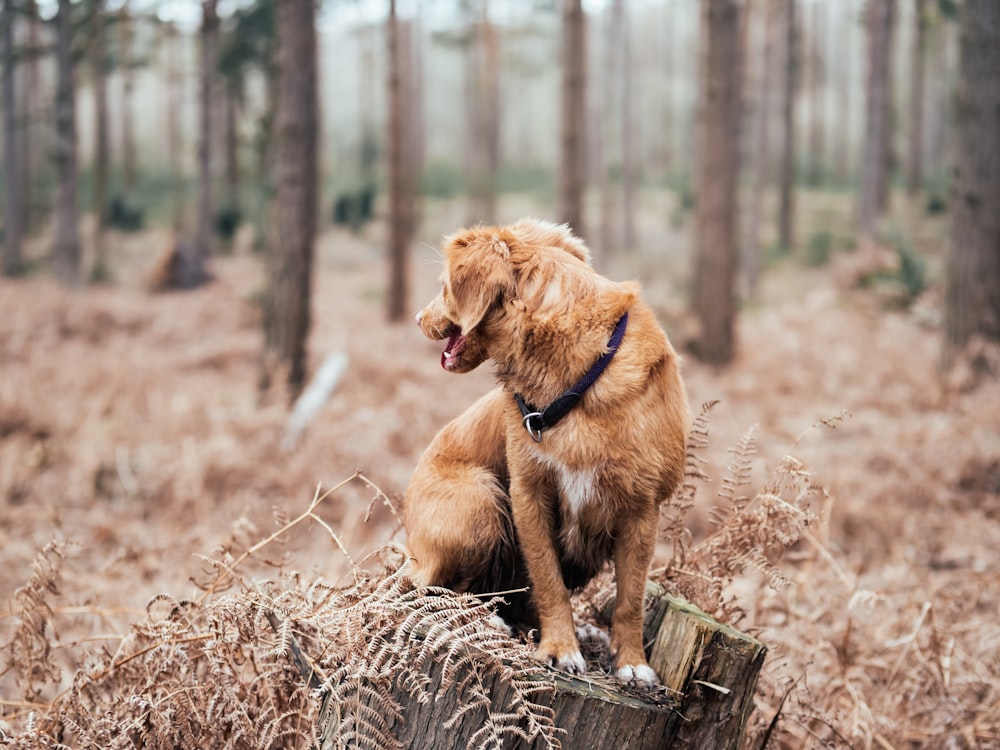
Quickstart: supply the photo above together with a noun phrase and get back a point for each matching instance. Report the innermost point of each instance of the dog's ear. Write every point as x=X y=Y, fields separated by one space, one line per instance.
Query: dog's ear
x=479 y=273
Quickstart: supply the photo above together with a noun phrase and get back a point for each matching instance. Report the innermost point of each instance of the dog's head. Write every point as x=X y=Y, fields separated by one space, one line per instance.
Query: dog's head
x=478 y=277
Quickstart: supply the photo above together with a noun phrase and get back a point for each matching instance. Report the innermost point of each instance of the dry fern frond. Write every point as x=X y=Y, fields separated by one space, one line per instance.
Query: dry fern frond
x=673 y=512
x=29 y=652
x=263 y=664
x=749 y=531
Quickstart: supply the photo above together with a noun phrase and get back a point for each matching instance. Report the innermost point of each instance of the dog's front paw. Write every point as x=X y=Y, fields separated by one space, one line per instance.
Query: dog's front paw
x=566 y=658
x=640 y=675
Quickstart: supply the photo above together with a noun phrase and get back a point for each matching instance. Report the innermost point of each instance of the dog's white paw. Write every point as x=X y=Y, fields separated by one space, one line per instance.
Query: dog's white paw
x=571 y=663
x=588 y=633
x=640 y=675
x=498 y=623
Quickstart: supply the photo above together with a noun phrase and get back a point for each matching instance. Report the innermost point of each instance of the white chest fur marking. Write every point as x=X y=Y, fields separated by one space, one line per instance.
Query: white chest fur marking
x=576 y=486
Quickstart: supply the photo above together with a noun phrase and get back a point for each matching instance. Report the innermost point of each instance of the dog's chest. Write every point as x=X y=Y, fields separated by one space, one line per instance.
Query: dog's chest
x=577 y=488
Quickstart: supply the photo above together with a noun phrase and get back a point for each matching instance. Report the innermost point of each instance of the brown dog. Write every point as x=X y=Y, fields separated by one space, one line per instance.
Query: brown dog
x=534 y=479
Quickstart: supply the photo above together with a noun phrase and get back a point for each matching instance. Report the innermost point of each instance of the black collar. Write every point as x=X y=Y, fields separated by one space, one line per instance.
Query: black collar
x=537 y=421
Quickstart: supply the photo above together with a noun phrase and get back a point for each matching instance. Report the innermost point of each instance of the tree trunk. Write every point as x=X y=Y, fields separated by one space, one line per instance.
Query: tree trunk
x=206 y=193
x=759 y=155
x=29 y=147
x=66 y=249
x=292 y=231
x=915 y=165
x=172 y=106
x=718 y=164
x=628 y=135
x=786 y=208
x=573 y=151
x=607 y=128
x=128 y=87
x=98 y=65
x=712 y=670
x=401 y=187
x=11 y=173
x=972 y=297
x=483 y=104
x=875 y=157
x=817 y=88
x=843 y=33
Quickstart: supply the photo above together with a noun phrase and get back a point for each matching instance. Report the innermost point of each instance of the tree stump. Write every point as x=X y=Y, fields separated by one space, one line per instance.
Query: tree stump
x=710 y=671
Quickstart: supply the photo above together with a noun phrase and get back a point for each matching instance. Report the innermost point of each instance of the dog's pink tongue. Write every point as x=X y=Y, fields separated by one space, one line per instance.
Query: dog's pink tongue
x=456 y=343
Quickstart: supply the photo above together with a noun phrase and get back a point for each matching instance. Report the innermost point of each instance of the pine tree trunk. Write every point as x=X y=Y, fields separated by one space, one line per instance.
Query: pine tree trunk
x=816 y=98
x=128 y=88
x=401 y=200
x=29 y=144
x=915 y=165
x=206 y=195
x=875 y=158
x=293 y=215
x=716 y=229
x=628 y=134
x=607 y=125
x=483 y=116
x=573 y=151
x=972 y=299
x=66 y=249
x=786 y=207
x=759 y=155
x=11 y=166
x=172 y=105
x=843 y=33
x=98 y=54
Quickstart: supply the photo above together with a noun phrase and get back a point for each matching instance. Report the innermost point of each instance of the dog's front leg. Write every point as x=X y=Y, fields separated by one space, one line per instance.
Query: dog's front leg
x=533 y=501
x=634 y=543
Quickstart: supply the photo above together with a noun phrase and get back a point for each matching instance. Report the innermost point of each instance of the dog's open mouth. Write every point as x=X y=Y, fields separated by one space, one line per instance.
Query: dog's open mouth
x=452 y=354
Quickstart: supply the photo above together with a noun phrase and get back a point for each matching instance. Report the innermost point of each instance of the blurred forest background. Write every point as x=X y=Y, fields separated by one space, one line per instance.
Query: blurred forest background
x=207 y=206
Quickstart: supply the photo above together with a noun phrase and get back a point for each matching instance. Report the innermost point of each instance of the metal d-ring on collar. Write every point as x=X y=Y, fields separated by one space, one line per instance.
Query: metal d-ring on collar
x=537 y=421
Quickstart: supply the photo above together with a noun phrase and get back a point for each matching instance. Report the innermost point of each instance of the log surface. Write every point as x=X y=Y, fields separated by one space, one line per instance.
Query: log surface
x=710 y=671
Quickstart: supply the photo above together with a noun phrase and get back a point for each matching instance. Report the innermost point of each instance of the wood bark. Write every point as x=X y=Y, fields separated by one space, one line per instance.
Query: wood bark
x=817 y=98
x=573 y=153
x=786 y=204
x=401 y=179
x=66 y=248
x=293 y=215
x=716 y=227
x=628 y=129
x=209 y=39
x=843 y=33
x=918 y=59
x=11 y=168
x=875 y=156
x=483 y=102
x=759 y=154
x=711 y=668
x=972 y=297
x=172 y=106
x=99 y=79
x=30 y=139
x=606 y=126
x=128 y=88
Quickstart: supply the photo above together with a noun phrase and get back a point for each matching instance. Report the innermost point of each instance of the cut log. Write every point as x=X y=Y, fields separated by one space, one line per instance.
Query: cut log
x=710 y=671
x=712 y=666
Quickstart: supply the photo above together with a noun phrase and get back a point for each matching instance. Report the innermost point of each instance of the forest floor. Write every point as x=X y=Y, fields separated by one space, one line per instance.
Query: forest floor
x=131 y=428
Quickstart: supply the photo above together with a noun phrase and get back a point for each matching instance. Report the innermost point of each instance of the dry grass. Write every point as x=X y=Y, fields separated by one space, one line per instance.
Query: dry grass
x=132 y=442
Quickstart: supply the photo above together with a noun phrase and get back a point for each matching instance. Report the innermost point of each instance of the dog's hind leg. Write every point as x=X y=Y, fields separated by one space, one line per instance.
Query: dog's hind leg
x=458 y=529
